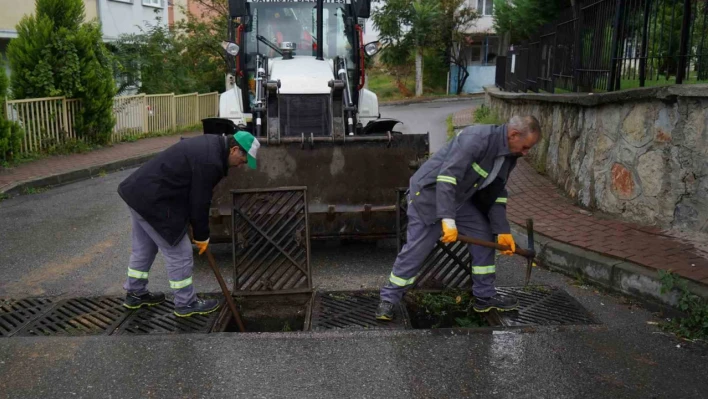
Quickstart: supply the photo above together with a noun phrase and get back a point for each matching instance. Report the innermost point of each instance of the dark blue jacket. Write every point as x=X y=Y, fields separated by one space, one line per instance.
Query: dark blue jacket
x=174 y=189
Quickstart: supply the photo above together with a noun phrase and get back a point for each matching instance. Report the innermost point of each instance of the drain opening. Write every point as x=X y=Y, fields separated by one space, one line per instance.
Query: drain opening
x=268 y=313
x=445 y=309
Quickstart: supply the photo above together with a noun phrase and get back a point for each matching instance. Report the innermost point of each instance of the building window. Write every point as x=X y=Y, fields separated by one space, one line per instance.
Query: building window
x=153 y=3
x=124 y=1
x=485 y=7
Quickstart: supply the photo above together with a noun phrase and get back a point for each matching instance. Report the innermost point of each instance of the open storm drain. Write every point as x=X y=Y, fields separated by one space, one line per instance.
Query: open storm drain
x=543 y=306
x=79 y=316
x=352 y=310
x=160 y=319
x=326 y=311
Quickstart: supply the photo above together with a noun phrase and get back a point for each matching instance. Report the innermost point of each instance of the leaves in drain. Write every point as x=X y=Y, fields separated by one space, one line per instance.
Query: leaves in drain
x=447 y=309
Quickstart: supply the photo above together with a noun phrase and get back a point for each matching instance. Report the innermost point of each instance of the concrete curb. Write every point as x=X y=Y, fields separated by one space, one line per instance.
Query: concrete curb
x=434 y=100
x=611 y=273
x=76 y=175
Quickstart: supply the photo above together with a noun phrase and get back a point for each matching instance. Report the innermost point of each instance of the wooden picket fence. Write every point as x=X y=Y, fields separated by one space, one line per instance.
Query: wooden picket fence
x=52 y=121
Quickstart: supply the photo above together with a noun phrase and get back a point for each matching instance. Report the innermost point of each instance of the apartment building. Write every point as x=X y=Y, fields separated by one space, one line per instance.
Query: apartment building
x=480 y=50
x=116 y=16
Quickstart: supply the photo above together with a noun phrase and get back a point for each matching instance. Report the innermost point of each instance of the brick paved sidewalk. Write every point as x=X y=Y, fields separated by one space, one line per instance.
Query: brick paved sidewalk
x=555 y=216
x=69 y=163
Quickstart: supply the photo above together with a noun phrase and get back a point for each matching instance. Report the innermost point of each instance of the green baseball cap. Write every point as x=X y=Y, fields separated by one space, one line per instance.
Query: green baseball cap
x=249 y=144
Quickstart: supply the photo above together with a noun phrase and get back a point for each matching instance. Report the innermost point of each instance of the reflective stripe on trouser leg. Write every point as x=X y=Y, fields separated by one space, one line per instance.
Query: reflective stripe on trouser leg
x=483 y=275
x=421 y=240
x=178 y=260
x=180 y=263
x=472 y=223
x=142 y=256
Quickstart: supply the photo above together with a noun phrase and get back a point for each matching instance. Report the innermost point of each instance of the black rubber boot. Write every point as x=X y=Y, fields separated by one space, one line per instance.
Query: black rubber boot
x=200 y=306
x=498 y=302
x=133 y=301
x=384 y=311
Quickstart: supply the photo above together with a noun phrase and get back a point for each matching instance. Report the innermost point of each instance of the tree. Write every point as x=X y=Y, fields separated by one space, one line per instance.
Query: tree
x=202 y=35
x=408 y=24
x=456 y=18
x=10 y=131
x=152 y=61
x=423 y=18
x=57 y=54
x=186 y=58
x=522 y=18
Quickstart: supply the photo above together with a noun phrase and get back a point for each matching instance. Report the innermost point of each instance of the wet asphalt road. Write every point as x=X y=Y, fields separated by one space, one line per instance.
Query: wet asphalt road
x=74 y=241
x=427 y=118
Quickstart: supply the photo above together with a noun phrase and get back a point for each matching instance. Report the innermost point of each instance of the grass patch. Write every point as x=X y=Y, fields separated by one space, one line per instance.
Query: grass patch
x=386 y=88
x=450 y=128
x=448 y=309
x=73 y=146
x=133 y=137
x=483 y=115
x=3 y=197
x=34 y=190
x=694 y=325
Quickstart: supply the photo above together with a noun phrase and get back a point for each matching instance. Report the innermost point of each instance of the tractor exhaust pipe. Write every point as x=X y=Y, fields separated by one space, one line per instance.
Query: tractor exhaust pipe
x=320 y=33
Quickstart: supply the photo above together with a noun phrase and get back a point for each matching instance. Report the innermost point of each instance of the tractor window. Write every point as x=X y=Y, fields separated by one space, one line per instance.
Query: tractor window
x=339 y=36
x=294 y=22
x=276 y=23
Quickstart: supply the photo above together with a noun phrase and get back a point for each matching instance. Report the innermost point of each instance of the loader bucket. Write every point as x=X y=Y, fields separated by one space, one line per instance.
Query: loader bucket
x=351 y=184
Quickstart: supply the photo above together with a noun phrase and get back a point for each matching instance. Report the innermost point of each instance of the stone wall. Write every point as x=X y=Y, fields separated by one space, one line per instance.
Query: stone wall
x=640 y=153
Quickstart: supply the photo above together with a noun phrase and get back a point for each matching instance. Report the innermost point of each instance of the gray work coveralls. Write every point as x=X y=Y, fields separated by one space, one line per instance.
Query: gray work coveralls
x=464 y=181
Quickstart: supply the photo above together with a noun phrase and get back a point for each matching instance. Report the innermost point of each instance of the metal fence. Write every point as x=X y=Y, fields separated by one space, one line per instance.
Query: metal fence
x=607 y=45
x=52 y=121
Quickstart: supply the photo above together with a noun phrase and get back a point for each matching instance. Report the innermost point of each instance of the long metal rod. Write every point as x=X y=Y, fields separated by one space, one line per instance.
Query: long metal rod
x=227 y=294
x=685 y=37
x=614 y=73
x=645 y=41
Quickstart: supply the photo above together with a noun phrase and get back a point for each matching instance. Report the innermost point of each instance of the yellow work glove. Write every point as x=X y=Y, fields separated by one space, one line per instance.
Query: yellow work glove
x=202 y=245
x=508 y=241
x=449 y=231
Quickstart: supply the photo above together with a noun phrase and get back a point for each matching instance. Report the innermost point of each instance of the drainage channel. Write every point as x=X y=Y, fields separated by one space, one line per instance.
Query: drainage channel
x=317 y=312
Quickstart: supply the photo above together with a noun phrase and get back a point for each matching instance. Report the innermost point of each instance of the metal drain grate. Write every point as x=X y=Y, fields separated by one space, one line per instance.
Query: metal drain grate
x=352 y=310
x=15 y=314
x=79 y=316
x=544 y=306
x=160 y=319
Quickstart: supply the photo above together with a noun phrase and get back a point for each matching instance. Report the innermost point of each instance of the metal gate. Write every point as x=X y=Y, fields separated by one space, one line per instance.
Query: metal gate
x=271 y=241
x=447 y=266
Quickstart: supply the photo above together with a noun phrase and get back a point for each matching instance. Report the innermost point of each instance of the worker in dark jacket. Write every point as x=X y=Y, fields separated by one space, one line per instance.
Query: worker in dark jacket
x=463 y=187
x=167 y=195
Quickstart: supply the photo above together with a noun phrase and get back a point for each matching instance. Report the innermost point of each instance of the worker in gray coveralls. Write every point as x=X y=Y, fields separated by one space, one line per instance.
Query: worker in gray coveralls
x=463 y=186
